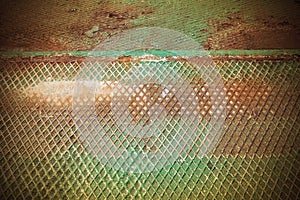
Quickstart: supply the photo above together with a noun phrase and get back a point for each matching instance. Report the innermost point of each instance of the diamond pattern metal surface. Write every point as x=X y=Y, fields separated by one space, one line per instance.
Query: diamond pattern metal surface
x=256 y=155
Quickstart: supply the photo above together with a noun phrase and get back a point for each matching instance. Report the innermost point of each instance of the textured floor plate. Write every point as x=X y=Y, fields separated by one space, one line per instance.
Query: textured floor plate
x=256 y=155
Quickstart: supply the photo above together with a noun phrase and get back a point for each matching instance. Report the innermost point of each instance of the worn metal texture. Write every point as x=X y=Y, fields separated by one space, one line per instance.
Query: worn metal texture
x=256 y=153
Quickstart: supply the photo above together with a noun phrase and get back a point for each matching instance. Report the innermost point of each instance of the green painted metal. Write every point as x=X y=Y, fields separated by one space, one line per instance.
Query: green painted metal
x=233 y=177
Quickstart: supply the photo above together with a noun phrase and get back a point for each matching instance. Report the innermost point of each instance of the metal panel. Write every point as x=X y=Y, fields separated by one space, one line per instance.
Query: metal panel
x=256 y=155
